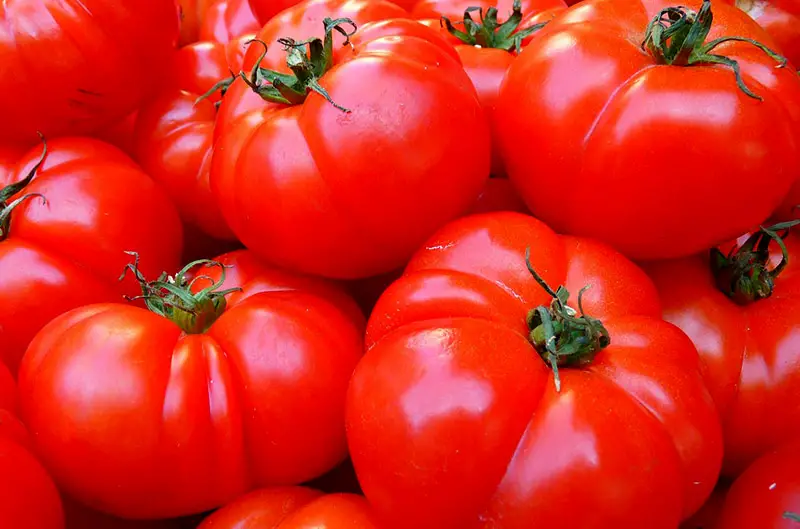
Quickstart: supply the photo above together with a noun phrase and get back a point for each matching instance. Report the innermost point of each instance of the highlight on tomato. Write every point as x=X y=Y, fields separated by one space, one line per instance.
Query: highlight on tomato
x=71 y=68
x=233 y=378
x=645 y=125
x=345 y=168
x=293 y=508
x=500 y=385
x=69 y=210
x=740 y=305
x=227 y=20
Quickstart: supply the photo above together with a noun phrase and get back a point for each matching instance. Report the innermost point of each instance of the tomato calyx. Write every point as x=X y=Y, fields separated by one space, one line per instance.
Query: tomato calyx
x=308 y=60
x=677 y=36
x=6 y=193
x=560 y=336
x=220 y=86
x=173 y=298
x=744 y=274
x=488 y=32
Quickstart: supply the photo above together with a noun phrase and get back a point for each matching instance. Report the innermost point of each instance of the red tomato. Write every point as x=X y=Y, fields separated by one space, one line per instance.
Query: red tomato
x=70 y=251
x=454 y=421
x=227 y=20
x=293 y=508
x=73 y=67
x=80 y=517
x=498 y=195
x=187 y=412
x=604 y=140
x=265 y=10
x=707 y=516
x=28 y=497
x=767 y=495
x=781 y=19
x=790 y=209
x=299 y=185
x=750 y=347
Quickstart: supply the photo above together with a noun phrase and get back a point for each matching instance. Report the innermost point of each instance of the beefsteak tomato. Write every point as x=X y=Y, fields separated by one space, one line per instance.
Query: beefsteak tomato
x=293 y=508
x=629 y=110
x=176 y=410
x=454 y=420
x=347 y=182
x=68 y=213
x=227 y=20
x=73 y=67
x=742 y=310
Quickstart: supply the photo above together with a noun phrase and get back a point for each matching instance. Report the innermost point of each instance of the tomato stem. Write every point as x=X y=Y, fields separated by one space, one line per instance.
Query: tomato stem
x=744 y=275
x=791 y=516
x=677 y=36
x=172 y=297
x=560 y=336
x=220 y=86
x=308 y=60
x=6 y=193
x=489 y=33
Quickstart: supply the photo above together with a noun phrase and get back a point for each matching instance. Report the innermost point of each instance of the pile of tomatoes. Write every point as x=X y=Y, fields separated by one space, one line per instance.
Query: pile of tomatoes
x=423 y=264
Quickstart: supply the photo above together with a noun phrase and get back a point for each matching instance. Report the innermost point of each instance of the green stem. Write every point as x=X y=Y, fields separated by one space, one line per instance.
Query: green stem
x=308 y=60
x=488 y=32
x=744 y=274
x=677 y=36
x=6 y=194
x=792 y=516
x=172 y=297
x=559 y=335
x=220 y=86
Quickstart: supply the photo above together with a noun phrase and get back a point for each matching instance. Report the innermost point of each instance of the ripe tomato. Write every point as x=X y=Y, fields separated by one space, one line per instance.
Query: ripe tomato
x=790 y=209
x=454 y=421
x=265 y=10
x=748 y=338
x=643 y=146
x=188 y=411
x=767 y=495
x=28 y=497
x=227 y=20
x=498 y=195
x=73 y=67
x=708 y=515
x=70 y=251
x=293 y=508
x=297 y=183
x=781 y=19
x=78 y=516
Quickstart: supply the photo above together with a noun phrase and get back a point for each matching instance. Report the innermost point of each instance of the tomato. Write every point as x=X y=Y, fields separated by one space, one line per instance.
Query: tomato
x=73 y=67
x=748 y=339
x=454 y=420
x=781 y=19
x=767 y=494
x=227 y=20
x=644 y=147
x=297 y=183
x=80 y=517
x=293 y=508
x=70 y=251
x=188 y=411
x=28 y=497
x=498 y=195
x=790 y=209
x=192 y=13
x=708 y=515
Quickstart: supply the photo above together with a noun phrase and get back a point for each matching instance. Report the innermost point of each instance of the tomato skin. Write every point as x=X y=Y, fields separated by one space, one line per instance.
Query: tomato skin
x=781 y=19
x=71 y=251
x=193 y=421
x=750 y=354
x=296 y=183
x=602 y=133
x=498 y=195
x=768 y=488
x=707 y=516
x=227 y=20
x=192 y=14
x=431 y=389
x=293 y=508
x=790 y=209
x=111 y=55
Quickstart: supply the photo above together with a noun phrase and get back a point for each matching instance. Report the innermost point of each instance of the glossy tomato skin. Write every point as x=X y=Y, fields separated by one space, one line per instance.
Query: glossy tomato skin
x=111 y=55
x=178 y=424
x=192 y=14
x=265 y=10
x=293 y=508
x=227 y=20
x=767 y=490
x=28 y=497
x=297 y=184
x=750 y=354
x=71 y=250
x=454 y=421
x=781 y=19
x=614 y=137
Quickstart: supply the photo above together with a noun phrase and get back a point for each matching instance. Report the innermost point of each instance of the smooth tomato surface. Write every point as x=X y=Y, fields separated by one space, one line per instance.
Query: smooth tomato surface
x=70 y=67
x=176 y=423
x=227 y=20
x=293 y=508
x=70 y=251
x=750 y=354
x=602 y=141
x=454 y=420
x=352 y=194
